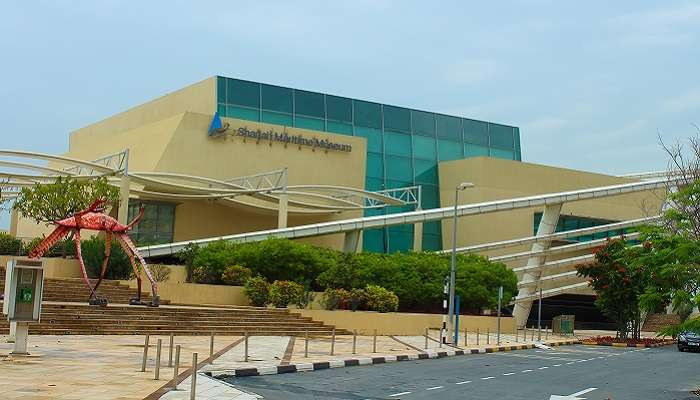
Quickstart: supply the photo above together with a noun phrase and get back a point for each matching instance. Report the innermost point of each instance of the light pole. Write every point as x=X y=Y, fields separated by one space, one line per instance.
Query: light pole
x=453 y=264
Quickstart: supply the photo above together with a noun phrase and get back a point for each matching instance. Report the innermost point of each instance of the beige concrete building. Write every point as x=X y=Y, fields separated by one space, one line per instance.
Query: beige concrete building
x=333 y=150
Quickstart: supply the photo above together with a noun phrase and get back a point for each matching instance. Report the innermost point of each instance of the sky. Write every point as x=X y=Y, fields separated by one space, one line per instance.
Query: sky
x=591 y=84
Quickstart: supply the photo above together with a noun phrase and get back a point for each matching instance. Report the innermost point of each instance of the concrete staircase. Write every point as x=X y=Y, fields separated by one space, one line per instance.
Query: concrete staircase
x=656 y=322
x=65 y=312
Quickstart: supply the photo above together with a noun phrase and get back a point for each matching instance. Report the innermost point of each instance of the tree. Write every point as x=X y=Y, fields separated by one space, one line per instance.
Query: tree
x=619 y=281
x=49 y=202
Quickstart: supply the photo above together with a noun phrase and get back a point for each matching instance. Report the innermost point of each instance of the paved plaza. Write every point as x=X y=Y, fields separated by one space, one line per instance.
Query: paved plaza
x=108 y=367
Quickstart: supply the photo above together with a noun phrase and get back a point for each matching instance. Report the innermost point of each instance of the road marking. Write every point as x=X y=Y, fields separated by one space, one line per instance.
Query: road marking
x=526 y=370
x=646 y=348
x=542 y=367
x=399 y=394
x=601 y=357
x=556 y=365
x=487 y=378
x=435 y=387
x=509 y=373
x=569 y=363
x=584 y=391
x=463 y=382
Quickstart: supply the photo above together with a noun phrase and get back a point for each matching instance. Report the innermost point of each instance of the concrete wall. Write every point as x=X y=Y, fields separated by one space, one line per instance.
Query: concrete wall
x=402 y=323
x=55 y=267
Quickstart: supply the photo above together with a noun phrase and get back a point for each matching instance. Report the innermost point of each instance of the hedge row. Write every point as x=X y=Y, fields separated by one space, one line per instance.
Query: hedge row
x=416 y=278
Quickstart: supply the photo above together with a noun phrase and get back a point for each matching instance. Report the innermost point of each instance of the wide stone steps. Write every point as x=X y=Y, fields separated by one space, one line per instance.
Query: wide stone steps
x=65 y=312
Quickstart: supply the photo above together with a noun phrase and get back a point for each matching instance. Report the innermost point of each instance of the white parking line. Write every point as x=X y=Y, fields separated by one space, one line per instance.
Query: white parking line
x=463 y=382
x=487 y=378
x=399 y=394
x=542 y=367
x=509 y=373
x=556 y=365
x=435 y=387
x=526 y=370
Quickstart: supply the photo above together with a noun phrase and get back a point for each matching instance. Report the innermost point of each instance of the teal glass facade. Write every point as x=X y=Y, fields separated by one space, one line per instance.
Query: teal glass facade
x=404 y=145
x=572 y=222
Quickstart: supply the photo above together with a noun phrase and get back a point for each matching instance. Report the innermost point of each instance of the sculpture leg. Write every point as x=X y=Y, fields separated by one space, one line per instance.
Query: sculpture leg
x=59 y=233
x=108 y=249
x=79 y=255
x=98 y=300
x=126 y=240
x=135 y=301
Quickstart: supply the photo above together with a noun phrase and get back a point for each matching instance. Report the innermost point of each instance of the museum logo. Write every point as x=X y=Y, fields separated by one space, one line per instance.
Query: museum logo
x=222 y=129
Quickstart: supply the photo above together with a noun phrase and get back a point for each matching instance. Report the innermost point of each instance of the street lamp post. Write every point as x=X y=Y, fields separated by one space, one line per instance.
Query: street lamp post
x=453 y=264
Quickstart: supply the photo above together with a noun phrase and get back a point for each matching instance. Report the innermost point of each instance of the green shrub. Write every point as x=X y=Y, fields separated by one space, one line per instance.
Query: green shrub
x=210 y=262
x=357 y=299
x=62 y=248
x=93 y=251
x=283 y=293
x=380 y=299
x=258 y=291
x=9 y=244
x=306 y=298
x=236 y=275
x=187 y=256
x=29 y=246
x=334 y=298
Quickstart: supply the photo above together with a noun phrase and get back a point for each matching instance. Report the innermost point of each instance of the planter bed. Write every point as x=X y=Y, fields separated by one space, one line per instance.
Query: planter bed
x=611 y=341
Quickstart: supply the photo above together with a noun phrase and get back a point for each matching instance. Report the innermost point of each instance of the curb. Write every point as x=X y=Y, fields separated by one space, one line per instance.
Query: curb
x=353 y=362
x=638 y=345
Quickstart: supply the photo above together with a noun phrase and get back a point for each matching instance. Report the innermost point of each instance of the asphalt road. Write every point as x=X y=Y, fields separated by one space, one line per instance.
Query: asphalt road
x=590 y=372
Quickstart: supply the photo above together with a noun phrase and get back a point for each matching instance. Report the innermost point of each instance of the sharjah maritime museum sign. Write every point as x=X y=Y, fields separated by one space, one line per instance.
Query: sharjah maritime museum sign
x=219 y=128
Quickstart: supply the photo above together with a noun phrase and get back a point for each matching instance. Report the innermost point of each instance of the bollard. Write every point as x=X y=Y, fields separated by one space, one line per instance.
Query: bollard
x=193 y=381
x=426 y=338
x=465 y=337
x=306 y=344
x=158 y=349
x=211 y=348
x=533 y=334
x=176 y=367
x=245 y=335
x=333 y=342
x=145 y=355
x=170 y=351
x=516 y=334
x=546 y=333
x=374 y=342
x=354 y=341
x=477 y=336
x=488 y=335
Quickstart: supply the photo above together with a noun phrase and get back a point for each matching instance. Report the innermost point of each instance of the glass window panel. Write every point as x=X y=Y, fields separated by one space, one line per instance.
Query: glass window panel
x=449 y=127
x=375 y=165
x=516 y=136
x=243 y=93
x=476 y=132
x=501 y=136
x=570 y=223
x=426 y=171
x=220 y=89
x=373 y=240
x=423 y=123
x=309 y=123
x=424 y=147
x=400 y=241
x=394 y=184
x=309 y=103
x=339 y=127
x=397 y=144
x=249 y=114
x=374 y=184
x=430 y=196
x=432 y=242
x=277 y=118
x=473 y=150
x=397 y=119
x=432 y=228
x=449 y=150
x=339 y=108
x=368 y=114
x=373 y=212
x=221 y=109
x=374 y=138
x=276 y=98
x=399 y=168
x=499 y=153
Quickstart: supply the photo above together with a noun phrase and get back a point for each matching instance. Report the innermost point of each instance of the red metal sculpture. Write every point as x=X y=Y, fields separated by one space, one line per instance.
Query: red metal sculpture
x=93 y=218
